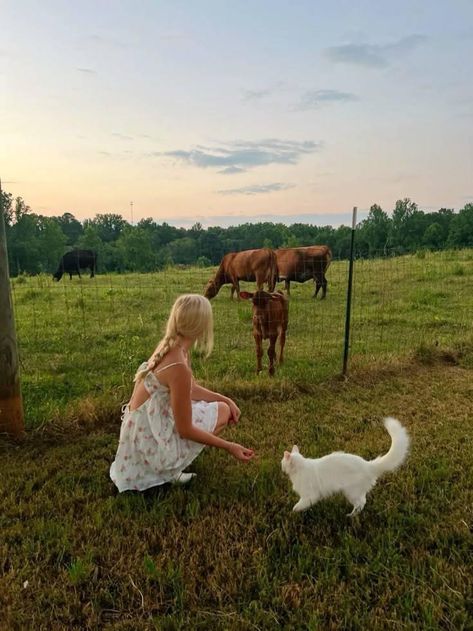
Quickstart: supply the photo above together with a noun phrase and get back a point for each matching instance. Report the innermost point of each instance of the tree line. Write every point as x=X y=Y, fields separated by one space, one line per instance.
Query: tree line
x=36 y=242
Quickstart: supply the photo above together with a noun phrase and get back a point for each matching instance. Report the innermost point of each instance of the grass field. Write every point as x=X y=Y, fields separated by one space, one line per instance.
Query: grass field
x=227 y=552
x=82 y=340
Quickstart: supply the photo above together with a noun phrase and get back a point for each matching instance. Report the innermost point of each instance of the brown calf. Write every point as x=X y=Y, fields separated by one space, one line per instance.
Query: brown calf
x=270 y=317
x=250 y=265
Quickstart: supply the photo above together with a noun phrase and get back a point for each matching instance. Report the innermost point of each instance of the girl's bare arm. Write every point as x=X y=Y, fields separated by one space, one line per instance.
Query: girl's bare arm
x=180 y=385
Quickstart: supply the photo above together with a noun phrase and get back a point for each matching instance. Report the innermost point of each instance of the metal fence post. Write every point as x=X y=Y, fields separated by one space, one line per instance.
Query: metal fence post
x=349 y=293
x=11 y=405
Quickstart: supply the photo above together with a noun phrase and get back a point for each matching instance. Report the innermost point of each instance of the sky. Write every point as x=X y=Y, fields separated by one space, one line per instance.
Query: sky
x=225 y=111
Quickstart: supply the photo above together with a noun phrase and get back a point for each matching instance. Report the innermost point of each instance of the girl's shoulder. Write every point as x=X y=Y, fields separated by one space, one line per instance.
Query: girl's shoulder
x=176 y=358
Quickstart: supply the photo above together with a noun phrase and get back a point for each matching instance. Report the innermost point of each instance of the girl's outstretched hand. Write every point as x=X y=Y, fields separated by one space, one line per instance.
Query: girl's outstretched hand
x=240 y=453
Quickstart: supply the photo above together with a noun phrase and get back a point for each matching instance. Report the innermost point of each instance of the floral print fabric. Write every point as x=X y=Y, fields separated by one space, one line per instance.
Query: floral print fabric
x=150 y=450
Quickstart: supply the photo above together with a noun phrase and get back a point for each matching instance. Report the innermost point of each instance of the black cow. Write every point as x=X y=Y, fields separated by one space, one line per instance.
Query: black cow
x=72 y=262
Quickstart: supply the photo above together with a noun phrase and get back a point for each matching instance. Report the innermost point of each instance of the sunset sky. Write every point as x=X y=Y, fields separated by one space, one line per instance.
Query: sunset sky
x=223 y=112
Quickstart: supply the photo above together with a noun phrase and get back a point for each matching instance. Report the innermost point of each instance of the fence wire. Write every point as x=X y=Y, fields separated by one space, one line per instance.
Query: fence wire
x=86 y=336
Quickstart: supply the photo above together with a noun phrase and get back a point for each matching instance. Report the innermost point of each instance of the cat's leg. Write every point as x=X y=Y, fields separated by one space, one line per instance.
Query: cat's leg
x=358 y=504
x=303 y=504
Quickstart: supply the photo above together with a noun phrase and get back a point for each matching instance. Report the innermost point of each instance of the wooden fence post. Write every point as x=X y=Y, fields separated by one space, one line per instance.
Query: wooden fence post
x=11 y=405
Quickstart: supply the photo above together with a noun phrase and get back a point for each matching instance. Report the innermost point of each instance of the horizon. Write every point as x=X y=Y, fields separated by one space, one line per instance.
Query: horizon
x=202 y=112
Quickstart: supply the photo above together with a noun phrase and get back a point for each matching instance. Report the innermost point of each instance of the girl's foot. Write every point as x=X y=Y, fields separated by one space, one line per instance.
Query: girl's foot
x=184 y=478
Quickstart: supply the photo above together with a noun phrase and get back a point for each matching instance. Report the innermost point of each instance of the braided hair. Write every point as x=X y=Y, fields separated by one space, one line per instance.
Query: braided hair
x=191 y=317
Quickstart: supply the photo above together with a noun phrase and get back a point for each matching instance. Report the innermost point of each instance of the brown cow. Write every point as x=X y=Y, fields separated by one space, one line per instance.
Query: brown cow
x=302 y=264
x=250 y=265
x=270 y=318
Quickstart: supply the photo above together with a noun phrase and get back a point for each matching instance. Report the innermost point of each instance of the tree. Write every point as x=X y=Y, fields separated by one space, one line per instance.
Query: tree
x=71 y=228
x=23 y=246
x=291 y=241
x=184 y=251
x=136 y=251
x=91 y=240
x=433 y=236
x=461 y=228
x=51 y=243
x=401 y=235
x=109 y=226
x=7 y=199
x=375 y=229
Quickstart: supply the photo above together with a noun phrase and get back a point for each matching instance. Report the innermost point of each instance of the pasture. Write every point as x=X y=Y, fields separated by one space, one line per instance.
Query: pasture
x=226 y=552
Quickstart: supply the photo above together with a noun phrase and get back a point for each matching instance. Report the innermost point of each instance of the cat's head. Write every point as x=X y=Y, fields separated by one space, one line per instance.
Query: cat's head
x=291 y=459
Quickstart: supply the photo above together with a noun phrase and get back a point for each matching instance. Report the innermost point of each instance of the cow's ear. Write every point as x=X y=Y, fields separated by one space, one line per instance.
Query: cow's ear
x=246 y=295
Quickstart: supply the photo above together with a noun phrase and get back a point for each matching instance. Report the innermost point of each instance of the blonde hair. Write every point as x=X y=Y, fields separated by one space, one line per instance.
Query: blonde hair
x=191 y=316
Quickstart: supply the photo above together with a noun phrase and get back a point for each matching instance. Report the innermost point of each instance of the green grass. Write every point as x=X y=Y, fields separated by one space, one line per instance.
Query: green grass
x=227 y=552
x=84 y=338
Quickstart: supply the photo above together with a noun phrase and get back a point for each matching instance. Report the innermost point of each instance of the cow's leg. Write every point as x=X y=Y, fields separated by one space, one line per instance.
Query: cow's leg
x=260 y=283
x=288 y=286
x=92 y=271
x=236 y=288
x=282 y=342
x=319 y=280
x=324 y=287
x=320 y=283
x=272 y=353
x=259 y=351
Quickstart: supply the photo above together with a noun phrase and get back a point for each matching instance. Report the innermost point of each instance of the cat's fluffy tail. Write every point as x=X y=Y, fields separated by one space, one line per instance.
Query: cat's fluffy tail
x=398 y=451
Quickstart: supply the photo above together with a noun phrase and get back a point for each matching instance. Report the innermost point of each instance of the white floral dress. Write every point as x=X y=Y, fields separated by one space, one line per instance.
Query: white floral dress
x=151 y=451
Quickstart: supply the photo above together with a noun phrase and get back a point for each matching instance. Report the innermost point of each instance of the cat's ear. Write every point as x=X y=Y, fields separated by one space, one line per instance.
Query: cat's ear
x=287 y=455
x=295 y=449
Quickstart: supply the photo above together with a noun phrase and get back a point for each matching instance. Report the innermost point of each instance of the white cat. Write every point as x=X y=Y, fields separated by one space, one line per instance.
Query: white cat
x=314 y=479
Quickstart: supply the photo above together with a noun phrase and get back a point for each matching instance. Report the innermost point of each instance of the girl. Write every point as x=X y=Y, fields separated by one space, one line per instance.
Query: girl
x=169 y=418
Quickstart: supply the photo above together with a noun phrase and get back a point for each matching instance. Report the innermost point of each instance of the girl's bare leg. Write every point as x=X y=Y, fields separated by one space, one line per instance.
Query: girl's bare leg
x=223 y=416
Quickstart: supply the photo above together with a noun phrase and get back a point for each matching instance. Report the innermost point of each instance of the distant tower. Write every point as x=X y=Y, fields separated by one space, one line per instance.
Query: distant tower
x=131 y=212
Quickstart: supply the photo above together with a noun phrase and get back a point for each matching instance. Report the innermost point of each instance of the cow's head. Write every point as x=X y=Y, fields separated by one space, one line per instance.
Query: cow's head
x=260 y=298
x=211 y=289
x=57 y=275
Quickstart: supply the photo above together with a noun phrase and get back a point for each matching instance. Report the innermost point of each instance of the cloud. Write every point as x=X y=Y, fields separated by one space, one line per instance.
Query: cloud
x=105 y=40
x=373 y=55
x=232 y=170
x=116 y=134
x=86 y=70
x=255 y=95
x=316 y=98
x=243 y=154
x=256 y=189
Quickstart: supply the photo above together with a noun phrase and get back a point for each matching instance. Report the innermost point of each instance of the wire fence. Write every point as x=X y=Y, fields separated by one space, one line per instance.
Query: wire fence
x=86 y=336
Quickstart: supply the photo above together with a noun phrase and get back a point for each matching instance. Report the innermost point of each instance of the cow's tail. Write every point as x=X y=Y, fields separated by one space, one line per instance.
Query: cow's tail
x=328 y=259
x=273 y=272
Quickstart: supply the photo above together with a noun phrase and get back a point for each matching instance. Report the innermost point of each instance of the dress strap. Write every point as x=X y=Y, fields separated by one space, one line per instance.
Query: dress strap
x=168 y=366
